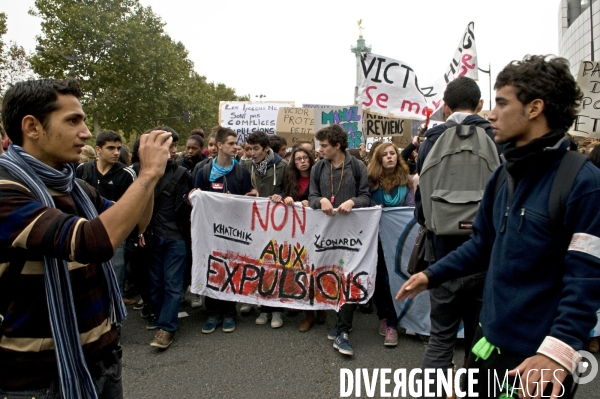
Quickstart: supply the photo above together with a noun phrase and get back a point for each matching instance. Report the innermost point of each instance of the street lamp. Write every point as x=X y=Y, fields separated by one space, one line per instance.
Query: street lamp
x=260 y=97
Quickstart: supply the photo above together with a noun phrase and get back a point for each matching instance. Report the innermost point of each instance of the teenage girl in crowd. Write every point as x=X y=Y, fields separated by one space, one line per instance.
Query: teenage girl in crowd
x=295 y=189
x=212 y=153
x=390 y=185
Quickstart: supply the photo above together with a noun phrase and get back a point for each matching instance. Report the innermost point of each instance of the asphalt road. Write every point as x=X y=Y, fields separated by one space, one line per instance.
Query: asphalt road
x=260 y=362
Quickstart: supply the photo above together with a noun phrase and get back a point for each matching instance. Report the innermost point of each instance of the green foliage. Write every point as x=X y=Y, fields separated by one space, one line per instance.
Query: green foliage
x=15 y=66
x=133 y=74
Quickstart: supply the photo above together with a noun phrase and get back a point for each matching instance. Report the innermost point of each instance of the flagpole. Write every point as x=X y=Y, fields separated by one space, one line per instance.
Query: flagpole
x=489 y=72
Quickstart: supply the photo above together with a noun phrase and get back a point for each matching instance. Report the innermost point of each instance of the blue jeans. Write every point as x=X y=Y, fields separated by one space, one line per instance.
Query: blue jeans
x=166 y=281
x=118 y=261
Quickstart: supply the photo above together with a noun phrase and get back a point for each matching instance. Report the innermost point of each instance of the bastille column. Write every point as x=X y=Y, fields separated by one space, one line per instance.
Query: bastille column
x=360 y=49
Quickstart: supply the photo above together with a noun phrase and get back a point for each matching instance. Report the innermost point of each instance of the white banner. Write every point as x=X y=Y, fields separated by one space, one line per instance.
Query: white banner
x=588 y=78
x=255 y=251
x=245 y=117
x=464 y=61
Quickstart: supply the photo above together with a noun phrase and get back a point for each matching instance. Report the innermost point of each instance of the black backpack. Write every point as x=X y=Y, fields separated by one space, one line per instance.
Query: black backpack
x=239 y=176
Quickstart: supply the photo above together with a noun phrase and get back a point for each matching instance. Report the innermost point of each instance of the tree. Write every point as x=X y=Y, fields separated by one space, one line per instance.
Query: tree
x=15 y=66
x=3 y=29
x=132 y=73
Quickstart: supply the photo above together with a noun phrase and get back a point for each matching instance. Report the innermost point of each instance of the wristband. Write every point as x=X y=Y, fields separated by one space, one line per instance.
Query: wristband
x=561 y=353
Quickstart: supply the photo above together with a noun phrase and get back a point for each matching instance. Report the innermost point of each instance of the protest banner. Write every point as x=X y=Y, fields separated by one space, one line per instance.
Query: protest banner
x=256 y=251
x=349 y=117
x=377 y=128
x=398 y=232
x=317 y=106
x=464 y=61
x=586 y=124
x=295 y=124
x=245 y=117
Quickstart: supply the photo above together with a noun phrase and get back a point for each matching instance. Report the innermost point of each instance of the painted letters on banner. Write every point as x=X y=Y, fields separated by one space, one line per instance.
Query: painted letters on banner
x=464 y=61
x=255 y=251
x=586 y=124
x=349 y=117
x=245 y=117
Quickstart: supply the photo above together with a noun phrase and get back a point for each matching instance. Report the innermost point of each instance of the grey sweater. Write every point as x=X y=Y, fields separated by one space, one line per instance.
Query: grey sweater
x=347 y=190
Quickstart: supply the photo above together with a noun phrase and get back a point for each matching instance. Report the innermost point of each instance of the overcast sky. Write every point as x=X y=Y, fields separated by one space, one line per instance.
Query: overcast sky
x=300 y=51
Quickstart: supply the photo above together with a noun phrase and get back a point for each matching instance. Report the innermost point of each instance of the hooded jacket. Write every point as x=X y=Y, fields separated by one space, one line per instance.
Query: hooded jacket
x=111 y=185
x=272 y=182
x=537 y=285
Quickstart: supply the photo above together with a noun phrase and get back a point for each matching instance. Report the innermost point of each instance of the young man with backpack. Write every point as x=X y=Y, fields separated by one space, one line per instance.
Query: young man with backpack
x=338 y=183
x=267 y=171
x=541 y=290
x=451 y=184
x=111 y=178
x=223 y=175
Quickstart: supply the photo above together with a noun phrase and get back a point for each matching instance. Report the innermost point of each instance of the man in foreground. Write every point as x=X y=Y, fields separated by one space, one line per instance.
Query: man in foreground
x=59 y=301
x=541 y=290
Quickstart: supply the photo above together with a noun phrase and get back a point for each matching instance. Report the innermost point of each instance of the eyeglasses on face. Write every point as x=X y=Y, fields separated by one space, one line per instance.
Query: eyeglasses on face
x=300 y=159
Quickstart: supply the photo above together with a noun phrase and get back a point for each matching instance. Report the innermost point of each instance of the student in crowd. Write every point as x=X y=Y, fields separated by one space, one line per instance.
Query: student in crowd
x=390 y=185
x=222 y=175
x=334 y=190
x=193 y=153
x=267 y=171
x=212 y=153
x=296 y=189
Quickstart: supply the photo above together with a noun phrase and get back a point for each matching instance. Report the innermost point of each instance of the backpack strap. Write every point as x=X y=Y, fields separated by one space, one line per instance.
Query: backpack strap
x=567 y=172
x=355 y=172
x=86 y=188
x=239 y=176
x=206 y=174
x=87 y=170
x=166 y=192
x=500 y=180
x=318 y=170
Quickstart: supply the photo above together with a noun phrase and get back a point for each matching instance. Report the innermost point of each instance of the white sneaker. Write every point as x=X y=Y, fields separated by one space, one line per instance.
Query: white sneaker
x=246 y=308
x=196 y=301
x=262 y=319
x=277 y=320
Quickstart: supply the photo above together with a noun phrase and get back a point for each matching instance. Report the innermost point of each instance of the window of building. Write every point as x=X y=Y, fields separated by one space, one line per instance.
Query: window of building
x=575 y=8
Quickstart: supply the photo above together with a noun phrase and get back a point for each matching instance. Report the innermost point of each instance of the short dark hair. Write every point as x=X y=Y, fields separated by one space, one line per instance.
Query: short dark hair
x=167 y=129
x=198 y=139
x=259 y=137
x=462 y=94
x=276 y=142
x=546 y=78
x=33 y=97
x=222 y=134
x=106 y=136
x=334 y=134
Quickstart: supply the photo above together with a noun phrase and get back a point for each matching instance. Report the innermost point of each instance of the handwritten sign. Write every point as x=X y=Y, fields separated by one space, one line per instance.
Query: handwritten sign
x=246 y=117
x=464 y=61
x=348 y=117
x=255 y=251
x=296 y=121
x=586 y=124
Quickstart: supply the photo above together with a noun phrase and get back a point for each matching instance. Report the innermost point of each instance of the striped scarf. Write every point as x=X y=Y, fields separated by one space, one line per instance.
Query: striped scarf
x=75 y=378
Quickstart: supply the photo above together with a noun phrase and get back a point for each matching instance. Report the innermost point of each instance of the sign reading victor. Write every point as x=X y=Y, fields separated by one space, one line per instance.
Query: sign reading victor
x=253 y=250
x=588 y=79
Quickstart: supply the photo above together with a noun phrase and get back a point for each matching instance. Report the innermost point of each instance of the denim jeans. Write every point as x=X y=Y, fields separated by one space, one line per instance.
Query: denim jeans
x=220 y=308
x=166 y=281
x=108 y=386
x=451 y=302
x=118 y=261
x=344 y=317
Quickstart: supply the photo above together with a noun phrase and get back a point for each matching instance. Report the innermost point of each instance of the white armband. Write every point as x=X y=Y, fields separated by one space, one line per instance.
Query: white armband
x=561 y=353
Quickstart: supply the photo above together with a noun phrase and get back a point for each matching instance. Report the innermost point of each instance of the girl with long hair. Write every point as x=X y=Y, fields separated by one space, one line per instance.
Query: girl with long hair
x=295 y=188
x=390 y=185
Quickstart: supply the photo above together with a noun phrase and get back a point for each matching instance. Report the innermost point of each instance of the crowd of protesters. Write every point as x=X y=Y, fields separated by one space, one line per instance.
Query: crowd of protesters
x=119 y=234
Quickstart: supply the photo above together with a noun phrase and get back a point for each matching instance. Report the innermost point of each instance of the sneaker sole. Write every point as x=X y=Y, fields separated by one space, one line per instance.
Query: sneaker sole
x=228 y=330
x=276 y=325
x=196 y=305
x=160 y=346
x=208 y=331
x=390 y=343
x=343 y=351
x=151 y=327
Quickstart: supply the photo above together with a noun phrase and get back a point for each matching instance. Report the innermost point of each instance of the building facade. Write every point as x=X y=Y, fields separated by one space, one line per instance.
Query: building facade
x=576 y=34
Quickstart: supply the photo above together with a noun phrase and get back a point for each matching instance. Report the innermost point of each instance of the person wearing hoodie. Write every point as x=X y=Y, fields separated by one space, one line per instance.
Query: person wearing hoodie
x=541 y=289
x=338 y=183
x=267 y=172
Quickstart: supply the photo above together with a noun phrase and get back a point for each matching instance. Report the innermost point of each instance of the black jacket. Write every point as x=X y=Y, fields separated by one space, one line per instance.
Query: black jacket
x=113 y=184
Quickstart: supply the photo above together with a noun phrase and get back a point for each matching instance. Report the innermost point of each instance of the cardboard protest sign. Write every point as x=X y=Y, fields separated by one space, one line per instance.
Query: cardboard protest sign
x=586 y=124
x=244 y=117
x=256 y=251
x=295 y=121
x=349 y=117
x=464 y=61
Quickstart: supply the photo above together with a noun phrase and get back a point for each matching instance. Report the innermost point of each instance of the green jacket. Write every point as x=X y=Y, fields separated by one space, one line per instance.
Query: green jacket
x=272 y=182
